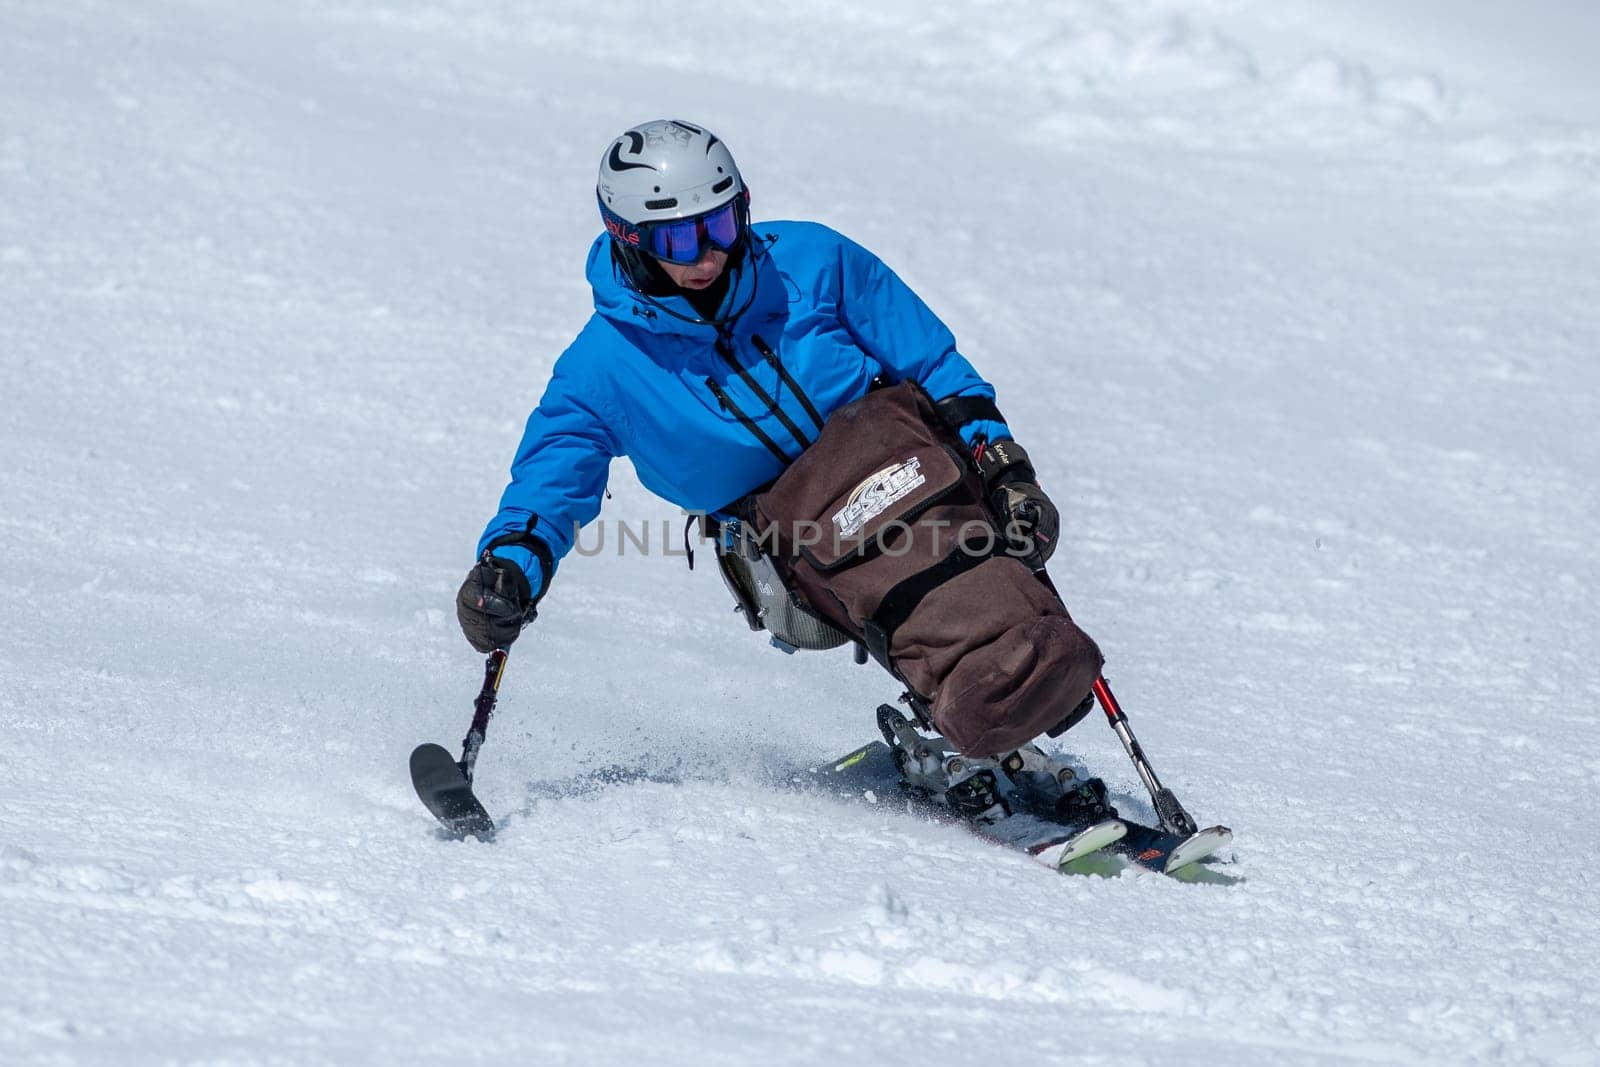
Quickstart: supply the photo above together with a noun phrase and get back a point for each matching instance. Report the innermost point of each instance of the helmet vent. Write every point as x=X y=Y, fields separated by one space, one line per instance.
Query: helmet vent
x=723 y=184
x=659 y=205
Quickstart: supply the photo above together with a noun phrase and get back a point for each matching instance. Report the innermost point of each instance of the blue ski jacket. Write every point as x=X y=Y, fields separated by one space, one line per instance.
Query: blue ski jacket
x=709 y=413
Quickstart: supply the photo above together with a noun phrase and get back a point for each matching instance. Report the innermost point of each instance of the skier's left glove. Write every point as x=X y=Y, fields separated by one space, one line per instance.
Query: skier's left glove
x=1029 y=521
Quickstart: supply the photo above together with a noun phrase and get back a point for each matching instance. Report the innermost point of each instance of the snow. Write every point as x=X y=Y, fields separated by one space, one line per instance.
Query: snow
x=1295 y=304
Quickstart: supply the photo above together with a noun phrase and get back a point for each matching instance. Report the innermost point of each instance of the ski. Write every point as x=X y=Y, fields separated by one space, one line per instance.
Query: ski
x=444 y=789
x=1157 y=850
x=872 y=768
x=1038 y=795
x=1028 y=800
x=1144 y=846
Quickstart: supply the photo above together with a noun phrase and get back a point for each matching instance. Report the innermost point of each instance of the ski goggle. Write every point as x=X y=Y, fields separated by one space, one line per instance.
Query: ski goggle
x=681 y=241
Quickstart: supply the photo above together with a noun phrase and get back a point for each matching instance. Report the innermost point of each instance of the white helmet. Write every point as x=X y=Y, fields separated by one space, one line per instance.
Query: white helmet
x=666 y=169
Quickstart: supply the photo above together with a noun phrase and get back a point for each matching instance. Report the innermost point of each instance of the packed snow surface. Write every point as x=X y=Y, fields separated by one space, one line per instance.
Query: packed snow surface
x=1296 y=305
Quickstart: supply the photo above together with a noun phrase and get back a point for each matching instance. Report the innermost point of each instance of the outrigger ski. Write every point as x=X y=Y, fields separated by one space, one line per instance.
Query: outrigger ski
x=444 y=789
x=1027 y=800
x=444 y=783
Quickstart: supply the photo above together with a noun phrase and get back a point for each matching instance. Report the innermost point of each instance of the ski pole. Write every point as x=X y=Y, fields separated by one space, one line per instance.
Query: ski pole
x=1173 y=818
x=1171 y=814
x=482 y=709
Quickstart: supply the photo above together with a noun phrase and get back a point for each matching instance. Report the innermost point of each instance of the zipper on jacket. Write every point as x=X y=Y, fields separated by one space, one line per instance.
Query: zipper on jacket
x=725 y=350
x=746 y=421
x=788 y=379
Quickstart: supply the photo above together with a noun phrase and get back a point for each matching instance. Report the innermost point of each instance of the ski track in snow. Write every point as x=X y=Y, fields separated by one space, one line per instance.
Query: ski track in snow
x=1299 y=320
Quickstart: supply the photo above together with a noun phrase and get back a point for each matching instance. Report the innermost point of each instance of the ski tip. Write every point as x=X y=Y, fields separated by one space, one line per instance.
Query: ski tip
x=1063 y=852
x=1092 y=839
x=1196 y=847
x=428 y=755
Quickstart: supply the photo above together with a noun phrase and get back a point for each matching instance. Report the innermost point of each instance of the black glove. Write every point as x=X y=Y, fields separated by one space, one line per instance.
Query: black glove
x=1029 y=522
x=494 y=604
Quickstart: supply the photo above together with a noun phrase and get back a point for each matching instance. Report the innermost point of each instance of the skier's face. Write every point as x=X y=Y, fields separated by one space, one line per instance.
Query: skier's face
x=699 y=274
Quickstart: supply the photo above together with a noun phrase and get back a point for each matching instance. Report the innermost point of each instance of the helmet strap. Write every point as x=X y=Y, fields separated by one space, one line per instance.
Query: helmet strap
x=640 y=272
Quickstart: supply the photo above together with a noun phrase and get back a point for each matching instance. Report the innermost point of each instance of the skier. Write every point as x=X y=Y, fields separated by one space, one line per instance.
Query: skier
x=782 y=381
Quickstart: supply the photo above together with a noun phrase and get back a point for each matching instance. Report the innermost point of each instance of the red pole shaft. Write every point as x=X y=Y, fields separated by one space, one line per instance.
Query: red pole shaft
x=1108 y=702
